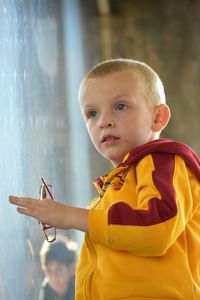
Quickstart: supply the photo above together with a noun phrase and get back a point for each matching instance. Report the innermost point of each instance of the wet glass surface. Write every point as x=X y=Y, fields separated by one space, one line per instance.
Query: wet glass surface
x=34 y=130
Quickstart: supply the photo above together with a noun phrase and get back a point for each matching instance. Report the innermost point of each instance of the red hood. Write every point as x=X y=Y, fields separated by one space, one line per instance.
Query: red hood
x=191 y=159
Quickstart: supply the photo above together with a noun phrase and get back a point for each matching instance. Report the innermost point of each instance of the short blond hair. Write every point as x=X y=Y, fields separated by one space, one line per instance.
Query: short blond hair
x=151 y=85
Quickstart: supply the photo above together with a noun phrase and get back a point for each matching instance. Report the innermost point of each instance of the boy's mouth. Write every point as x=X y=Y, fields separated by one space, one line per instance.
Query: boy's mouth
x=109 y=138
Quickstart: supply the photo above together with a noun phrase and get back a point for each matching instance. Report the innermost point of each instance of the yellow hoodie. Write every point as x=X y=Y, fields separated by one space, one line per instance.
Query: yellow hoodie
x=144 y=228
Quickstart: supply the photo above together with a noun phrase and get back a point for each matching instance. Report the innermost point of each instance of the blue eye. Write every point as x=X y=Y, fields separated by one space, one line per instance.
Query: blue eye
x=92 y=114
x=120 y=106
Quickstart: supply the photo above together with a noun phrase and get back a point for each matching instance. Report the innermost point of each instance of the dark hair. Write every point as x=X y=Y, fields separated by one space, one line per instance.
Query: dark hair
x=62 y=251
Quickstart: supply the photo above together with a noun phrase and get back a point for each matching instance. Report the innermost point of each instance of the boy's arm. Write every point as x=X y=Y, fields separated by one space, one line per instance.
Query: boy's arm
x=148 y=222
x=52 y=213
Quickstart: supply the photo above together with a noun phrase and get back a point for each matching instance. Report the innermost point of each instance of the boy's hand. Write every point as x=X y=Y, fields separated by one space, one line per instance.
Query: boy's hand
x=52 y=213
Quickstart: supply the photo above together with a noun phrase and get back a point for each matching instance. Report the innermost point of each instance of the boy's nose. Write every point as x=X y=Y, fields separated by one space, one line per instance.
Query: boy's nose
x=106 y=122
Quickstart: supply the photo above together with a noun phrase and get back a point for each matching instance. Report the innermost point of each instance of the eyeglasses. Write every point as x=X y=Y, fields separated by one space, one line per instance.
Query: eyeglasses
x=46 y=190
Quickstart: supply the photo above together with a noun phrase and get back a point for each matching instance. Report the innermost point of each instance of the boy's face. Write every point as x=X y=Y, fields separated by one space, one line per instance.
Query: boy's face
x=117 y=116
x=58 y=276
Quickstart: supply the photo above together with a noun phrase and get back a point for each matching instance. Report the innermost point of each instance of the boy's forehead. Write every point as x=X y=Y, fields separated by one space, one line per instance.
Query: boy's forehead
x=54 y=264
x=115 y=80
x=110 y=88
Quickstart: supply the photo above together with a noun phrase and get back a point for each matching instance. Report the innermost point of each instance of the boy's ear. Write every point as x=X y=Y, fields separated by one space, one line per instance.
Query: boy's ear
x=161 y=117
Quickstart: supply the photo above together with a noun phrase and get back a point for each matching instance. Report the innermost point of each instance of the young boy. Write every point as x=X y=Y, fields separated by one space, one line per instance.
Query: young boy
x=143 y=229
x=58 y=261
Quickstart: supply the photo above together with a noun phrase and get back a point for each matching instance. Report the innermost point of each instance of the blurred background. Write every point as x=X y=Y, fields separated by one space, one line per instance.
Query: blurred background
x=46 y=46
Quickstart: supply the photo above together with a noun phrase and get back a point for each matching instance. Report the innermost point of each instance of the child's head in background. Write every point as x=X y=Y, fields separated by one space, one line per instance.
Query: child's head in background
x=58 y=261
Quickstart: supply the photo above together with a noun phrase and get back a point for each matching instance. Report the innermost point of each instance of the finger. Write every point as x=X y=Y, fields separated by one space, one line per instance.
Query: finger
x=27 y=212
x=22 y=201
x=24 y=211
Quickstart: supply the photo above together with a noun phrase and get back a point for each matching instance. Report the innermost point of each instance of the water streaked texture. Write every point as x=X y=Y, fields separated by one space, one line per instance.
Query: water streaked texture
x=34 y=131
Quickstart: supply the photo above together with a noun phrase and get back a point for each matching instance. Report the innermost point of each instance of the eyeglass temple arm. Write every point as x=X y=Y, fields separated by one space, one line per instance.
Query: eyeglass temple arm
x=46 y=186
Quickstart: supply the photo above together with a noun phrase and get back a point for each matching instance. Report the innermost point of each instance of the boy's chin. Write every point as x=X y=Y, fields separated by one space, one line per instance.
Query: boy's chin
x=116 y=162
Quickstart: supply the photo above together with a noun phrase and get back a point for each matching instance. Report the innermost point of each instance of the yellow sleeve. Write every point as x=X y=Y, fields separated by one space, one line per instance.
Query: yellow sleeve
x=162 y=206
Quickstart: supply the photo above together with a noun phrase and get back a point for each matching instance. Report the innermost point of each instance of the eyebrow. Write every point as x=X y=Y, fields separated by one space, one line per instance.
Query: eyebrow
x=112 y=98
x=120 y=95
